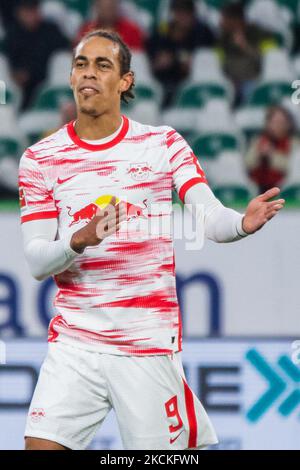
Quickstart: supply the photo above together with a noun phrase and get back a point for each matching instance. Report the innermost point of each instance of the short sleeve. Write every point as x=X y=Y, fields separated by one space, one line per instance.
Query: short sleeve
x=36 y=200
x=185 y=167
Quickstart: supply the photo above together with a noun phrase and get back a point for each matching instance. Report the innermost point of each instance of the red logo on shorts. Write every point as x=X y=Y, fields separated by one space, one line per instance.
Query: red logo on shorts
x=37 y=414
x=22 y=197
x=175 y=438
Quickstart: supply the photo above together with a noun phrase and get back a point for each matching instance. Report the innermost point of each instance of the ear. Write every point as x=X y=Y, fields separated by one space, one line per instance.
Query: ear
x=126 y=81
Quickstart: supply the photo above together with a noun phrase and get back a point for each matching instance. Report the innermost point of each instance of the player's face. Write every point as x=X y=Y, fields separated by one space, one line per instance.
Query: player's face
x=96 y=79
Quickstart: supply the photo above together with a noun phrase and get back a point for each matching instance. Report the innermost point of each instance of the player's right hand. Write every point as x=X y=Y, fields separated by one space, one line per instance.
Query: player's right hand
x=106 y=222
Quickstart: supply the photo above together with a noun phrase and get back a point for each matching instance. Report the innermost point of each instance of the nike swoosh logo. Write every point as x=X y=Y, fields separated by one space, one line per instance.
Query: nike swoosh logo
x=174 y=439
x=60 y=181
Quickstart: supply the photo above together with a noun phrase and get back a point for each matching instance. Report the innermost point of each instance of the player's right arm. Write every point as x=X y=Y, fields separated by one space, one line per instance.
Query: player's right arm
x=45 y=255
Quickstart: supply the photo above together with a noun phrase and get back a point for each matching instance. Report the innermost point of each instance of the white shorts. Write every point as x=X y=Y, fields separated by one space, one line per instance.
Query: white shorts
x=154 y=406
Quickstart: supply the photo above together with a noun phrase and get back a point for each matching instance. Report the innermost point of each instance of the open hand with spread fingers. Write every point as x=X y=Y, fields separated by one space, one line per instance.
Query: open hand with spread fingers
x=260 y=210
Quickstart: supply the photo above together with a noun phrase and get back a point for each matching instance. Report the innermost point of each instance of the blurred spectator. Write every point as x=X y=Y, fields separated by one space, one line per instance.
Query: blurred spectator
x=242 y=45
x=28 y=44
x=171 y=46
x=269 y=155
x=7 y=11
x=108 y=15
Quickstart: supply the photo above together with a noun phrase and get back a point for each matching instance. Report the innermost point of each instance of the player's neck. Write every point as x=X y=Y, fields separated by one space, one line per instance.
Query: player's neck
x=91 y=128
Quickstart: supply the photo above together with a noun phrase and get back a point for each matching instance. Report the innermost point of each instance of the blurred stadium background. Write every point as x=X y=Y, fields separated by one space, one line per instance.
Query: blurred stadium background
x=224 y=74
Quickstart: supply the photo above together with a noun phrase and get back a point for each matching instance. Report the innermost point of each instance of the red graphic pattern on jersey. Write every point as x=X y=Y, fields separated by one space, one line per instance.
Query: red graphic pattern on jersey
x=120 y=296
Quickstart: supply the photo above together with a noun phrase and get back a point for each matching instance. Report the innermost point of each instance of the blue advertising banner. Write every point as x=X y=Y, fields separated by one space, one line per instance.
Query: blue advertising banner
x=250 y=389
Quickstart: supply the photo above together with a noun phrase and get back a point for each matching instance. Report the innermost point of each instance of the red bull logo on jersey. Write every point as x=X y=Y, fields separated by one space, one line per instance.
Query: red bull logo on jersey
x=88 y=212
x=139 y=171
x=135 y=211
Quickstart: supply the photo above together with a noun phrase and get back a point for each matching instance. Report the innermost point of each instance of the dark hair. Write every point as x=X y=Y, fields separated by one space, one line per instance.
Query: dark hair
x=124 y=57
x=28 y=3
x=187 y=5
x=235 y=10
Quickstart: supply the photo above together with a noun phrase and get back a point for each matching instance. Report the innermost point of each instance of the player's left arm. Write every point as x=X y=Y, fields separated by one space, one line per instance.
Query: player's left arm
x=221 y=224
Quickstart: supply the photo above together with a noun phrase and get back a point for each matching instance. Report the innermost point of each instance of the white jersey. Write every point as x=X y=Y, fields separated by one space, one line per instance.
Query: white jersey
x=121 y=298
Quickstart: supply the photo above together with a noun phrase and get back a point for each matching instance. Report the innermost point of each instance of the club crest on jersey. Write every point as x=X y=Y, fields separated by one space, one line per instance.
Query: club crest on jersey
x=22 y=197
x=139 y=171
x=37 y=414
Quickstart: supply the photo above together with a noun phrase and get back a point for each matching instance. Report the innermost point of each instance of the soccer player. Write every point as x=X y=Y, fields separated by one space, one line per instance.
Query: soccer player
x=115 y=341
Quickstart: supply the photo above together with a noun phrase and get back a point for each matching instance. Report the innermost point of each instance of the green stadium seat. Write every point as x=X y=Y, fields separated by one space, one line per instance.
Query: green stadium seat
x=182 y=120
x=197 y=95
x=10 y=147
x=291 y=5
x=58 y=69
x=282 y=40
x=152 y=7
x=250 y=120
x=50 y=97
x=270 y=93
x=10 y=132
x=188 y=135
x=217 y=4
x=296 y=64
x=290 y=189
x=226 y=172
x=234 y=194
x=145 y=111
x=36 y=123
x=210 y=146
x=81 y=6
x=175 y=198
x=145 y=92
x=10 y=152
x=146 y=88
x=277 y=67
x=291 y=193
x=11 y=97
x=270 y=16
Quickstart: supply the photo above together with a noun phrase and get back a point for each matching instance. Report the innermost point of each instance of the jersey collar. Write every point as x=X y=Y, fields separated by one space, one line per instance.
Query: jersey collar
x=74 y=137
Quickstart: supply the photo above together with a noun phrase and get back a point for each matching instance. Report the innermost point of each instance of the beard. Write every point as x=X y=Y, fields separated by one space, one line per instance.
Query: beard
x=89 y=111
